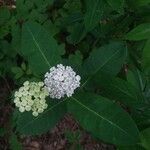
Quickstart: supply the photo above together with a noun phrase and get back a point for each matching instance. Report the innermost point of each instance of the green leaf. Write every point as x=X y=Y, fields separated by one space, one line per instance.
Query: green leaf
x=17 y=71
x=2 y=132
x=16 y=37
x=121 y=90
x=74 y=60
x=138 y=3
x=132 y=147
x=145 y=138
x=141 y=32
x=71 y=19
x=51 y=28
x=39 y=47
x=116 y=4
x=14 y=143
x=142 y=2
x=94 y=13
x=104 y=119
x=29 y=125
x=136 y=78
x=77 y=34
x=107 y=59
x=23 y=66
x=146 y=56
x=73 y=5
x=4 y=15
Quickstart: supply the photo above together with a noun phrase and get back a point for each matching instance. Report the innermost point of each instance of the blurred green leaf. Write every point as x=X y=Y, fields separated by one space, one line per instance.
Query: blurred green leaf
x=16 y=37
x=71 y=19
x=94 y=13
x=141 y=32
x=2 y=132
x=137 y=79
x=17 y=71
x=23 y=66
x=73 y=5
x=132 y=147
x=138 y=3
x=14 y=143
x=51 y=28
x=117 y=5
x=146 y=56
x=121 y=90
x=76 y=59
x=145 y=138
x=4 y=15
x=77 y=34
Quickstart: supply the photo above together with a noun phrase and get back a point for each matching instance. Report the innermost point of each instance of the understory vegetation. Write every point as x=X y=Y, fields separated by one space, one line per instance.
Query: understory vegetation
x=86 y=58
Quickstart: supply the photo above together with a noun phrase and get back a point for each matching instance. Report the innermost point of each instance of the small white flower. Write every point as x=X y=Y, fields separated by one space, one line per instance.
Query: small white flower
x=21 y=109
x=31 y=97
x=28 y=108
x=61 y=81
x=35 y=114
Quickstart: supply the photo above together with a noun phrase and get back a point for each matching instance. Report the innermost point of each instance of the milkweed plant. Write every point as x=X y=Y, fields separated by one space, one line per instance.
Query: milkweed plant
x=89 y=59
x=60 y=81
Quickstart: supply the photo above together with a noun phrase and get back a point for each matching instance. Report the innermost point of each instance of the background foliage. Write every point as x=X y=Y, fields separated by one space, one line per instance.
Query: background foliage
x=107 y=42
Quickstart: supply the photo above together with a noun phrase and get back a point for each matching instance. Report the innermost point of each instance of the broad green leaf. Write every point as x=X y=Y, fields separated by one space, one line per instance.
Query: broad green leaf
x=107 y=59
x=14 y=143
x=73 y=5
x=146 y=56
x=4 y=15
x=71 y=19
x=42 y=3
x=94 y=13
x=23 y=66
x=138 y=3
x=30 y=125
x=16 y=38
x=74 y=60
x=136 y=78
x=77 y=34
x=39 y=48
x=132 y=147
x=131 y=78
x=51 y=28
x=142 y=2
x=121 y=90
x=141 y=32
x=116 y=4
x=103 y=118
x=145 y=138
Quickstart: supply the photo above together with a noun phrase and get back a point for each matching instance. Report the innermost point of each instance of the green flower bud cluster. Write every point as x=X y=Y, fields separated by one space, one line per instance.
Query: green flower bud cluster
x=31 y=97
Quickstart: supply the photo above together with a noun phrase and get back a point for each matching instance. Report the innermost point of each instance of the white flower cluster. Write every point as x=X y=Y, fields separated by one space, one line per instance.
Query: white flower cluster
x=31 y=97
x=61 y=80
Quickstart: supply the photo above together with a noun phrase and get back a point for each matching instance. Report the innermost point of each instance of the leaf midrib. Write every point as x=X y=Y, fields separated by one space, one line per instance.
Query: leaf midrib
x=38 y=47
x=100 y=68
x=93 y=11
x=144 y=31
x=101 y=116
x=43 y=113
